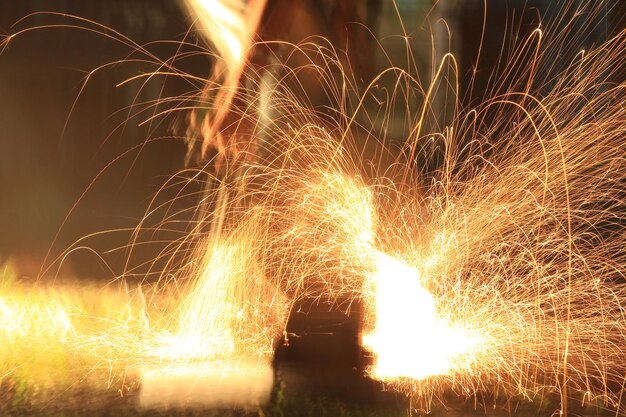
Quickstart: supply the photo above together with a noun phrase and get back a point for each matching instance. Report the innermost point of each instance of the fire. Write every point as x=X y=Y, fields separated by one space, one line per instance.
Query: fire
x=219 y=319
x=229 y=24
x=220 y=354
x=409 y=338
x=500 y=268
x=230 y=27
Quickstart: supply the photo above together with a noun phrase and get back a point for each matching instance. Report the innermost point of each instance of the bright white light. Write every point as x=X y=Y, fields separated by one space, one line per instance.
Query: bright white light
x=409 y=340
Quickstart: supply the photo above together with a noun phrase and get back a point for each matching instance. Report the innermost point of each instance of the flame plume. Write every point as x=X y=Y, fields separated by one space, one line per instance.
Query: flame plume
x=230 y=26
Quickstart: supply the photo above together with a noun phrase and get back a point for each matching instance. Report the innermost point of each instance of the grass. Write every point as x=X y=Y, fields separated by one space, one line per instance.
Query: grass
x=47 y=369
x=62 y=354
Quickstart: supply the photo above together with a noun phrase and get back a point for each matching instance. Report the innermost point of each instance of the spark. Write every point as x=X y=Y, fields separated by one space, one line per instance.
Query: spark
x=490 y=260
x=409 y=339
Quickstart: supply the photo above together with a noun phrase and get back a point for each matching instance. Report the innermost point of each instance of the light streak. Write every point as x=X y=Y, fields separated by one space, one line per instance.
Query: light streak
x=230 y=26
x=500 y=269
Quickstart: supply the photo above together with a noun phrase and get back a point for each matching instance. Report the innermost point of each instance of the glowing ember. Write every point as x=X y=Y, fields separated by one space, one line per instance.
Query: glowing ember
x=501 y=265
x=409 y=339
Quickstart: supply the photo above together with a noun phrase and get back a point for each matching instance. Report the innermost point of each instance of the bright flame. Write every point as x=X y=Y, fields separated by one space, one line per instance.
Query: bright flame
x=209 y=315
x=230 y=26
x=221 y=353
x=222 y=318
x=224 y=22
x=409 y=339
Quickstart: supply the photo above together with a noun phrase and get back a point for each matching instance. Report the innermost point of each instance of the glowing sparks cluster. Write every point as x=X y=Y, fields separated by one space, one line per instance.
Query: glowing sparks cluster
x=409 y=339
x=487 y=251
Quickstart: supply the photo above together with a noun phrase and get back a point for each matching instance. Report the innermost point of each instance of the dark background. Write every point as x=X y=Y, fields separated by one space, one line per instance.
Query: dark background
x=46 y=164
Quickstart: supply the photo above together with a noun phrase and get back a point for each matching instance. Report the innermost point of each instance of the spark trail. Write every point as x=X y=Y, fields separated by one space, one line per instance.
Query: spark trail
x=488 y=250
x=510 y=245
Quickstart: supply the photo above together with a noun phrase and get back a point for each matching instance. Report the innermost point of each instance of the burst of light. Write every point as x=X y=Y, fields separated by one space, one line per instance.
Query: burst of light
x=220 y=354
x=409 y=339
x=225 y=24
x=499 y=270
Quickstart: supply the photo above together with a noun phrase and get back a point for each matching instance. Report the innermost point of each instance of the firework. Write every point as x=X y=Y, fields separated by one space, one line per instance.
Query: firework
x=221 y=353
x=509 y=247
x=488 y=252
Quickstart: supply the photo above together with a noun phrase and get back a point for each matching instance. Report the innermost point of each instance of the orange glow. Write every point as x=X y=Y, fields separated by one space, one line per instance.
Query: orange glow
x=220 y=354
x=409 y=338
x=225 y=24
x=489 y=254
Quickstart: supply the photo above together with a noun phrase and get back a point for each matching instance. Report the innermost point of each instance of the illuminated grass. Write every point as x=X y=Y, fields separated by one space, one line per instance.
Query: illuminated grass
x=59 y=339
